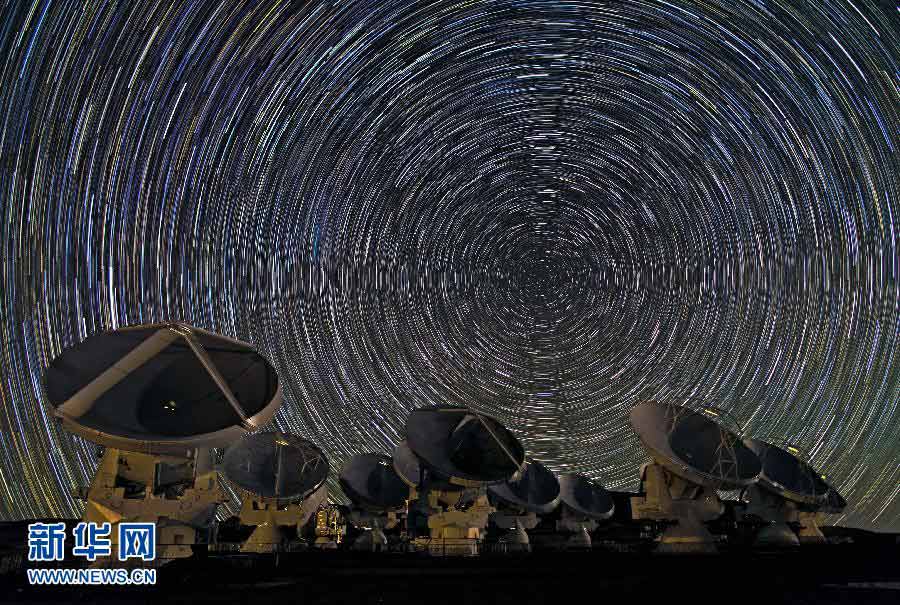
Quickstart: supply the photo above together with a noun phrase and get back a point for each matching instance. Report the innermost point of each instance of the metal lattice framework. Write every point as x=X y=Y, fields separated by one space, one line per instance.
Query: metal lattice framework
x=731 y=432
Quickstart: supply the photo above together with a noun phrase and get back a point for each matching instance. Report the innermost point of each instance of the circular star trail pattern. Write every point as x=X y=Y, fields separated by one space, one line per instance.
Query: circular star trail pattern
x=545 y=210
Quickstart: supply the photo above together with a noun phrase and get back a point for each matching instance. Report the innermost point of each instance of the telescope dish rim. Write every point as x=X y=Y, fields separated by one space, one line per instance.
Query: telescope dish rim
x=654 y=422
x=357 y=493
x=505 y=493
x=404 y=454
x=238 y=448
x=834 y=503
x=772 y=485
x=150 y=443
x=569 y=482
x=433 y=451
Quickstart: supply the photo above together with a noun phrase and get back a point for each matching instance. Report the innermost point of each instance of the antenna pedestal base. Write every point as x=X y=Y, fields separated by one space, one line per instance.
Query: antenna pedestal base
x=809 y=532
x=580 y=528
x=373 y=538
x=688 y=535
x=668 y=497
x=323 y=543
x=455 y=532
x=180 y=495
x=447 y=547
x=776 y=535
x=780 y=512
x=516 y=538
x=580 y=540
x=272 y=519
x=267 y=537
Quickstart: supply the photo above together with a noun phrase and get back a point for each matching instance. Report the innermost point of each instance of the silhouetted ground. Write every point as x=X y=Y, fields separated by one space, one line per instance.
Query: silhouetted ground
x=842 y=573
x=864 y=571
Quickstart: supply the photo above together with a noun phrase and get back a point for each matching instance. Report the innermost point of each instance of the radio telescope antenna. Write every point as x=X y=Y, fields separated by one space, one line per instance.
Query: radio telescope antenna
x=157 y=397
x=276 y=471
x=789 y=492
x=694 y=453
x=449 y=458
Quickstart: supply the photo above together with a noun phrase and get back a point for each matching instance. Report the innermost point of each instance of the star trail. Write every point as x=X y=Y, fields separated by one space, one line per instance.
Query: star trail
x=546 y=210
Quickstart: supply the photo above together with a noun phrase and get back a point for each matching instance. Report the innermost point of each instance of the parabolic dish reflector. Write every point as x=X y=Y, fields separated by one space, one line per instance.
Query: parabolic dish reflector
x=785 y=474
x=371 y=482
x=407 y=465
x=276 y=465
x=535 y=490
x=161 y=388
x=409 y=469
x=834 y=503
x=694 y=446
x=465 y=448
x=585 y=497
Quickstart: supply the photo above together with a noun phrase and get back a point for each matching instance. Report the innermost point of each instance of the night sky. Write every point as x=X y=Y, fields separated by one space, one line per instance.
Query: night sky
x=545 y=210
